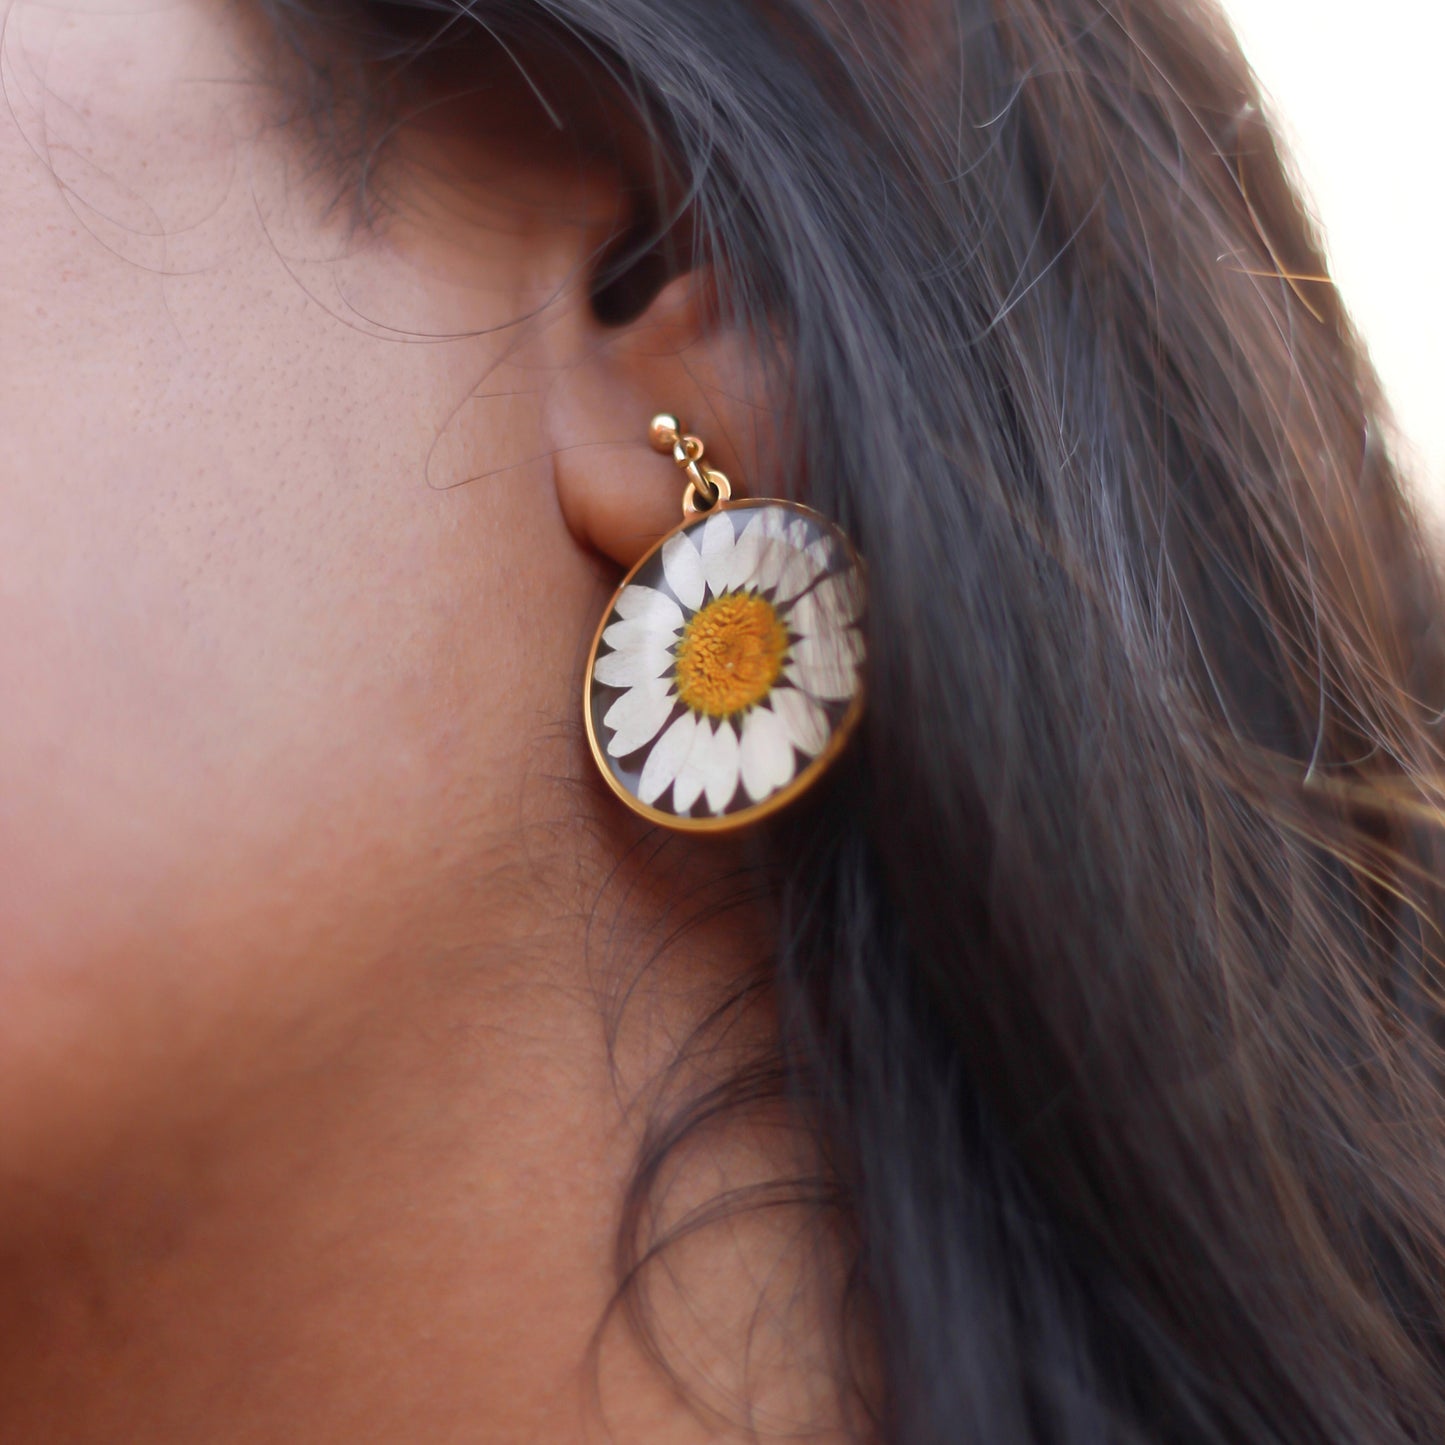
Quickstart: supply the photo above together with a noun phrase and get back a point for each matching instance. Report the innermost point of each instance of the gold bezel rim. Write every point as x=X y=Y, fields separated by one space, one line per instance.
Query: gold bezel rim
x=751 y=813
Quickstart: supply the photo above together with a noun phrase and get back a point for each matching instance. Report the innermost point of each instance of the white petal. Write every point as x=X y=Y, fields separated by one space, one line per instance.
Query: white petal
x=683 y=566
x=747 y=551
x=767 y=754
x=648 y=603
x=632 y=665
x=638 y=632
x=717 y=552
x=722 y=768
x=636 y=716
x=805 y=721
x=772 y=553
x=666 y=757
x=802 y=567
x=692 y=775
x=773 y=549
x=831 y=606
x=827 y=665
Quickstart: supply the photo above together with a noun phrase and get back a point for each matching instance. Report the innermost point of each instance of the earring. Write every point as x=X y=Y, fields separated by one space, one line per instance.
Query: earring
x=727 y=671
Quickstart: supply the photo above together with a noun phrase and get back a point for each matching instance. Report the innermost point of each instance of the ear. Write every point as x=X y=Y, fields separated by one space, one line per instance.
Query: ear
x=618 y=496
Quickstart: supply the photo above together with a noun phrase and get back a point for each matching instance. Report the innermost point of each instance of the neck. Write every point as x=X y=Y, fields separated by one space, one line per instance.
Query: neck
x=400 y=1220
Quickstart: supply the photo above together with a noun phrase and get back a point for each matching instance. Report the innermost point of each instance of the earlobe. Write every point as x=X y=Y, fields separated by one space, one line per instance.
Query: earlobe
x=616 y=494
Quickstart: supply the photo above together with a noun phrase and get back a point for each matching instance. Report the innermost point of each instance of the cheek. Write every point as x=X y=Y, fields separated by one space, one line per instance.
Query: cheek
x=278 y=703
x=259 y=719
x=227 y=801
x=267 y=693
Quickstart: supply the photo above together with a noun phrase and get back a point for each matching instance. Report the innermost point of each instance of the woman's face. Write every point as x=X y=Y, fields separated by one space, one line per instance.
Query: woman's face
x=309 y=903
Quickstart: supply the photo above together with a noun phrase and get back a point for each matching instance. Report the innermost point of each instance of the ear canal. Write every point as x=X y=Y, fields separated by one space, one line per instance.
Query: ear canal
x=629 y=277
x=656 y=249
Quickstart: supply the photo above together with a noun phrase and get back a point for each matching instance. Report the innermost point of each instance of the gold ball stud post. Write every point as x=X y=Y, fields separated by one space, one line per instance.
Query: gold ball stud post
x=663 y=431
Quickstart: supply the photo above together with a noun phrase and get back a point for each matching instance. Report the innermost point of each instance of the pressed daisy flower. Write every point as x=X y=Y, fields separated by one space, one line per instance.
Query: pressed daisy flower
x=728 y=667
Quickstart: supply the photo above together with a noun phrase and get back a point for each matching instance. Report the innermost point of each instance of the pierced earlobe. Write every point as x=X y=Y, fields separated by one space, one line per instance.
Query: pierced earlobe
x=727 y=671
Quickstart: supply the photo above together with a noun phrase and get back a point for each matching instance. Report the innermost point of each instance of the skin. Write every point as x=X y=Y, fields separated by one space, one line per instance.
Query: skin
x=311 y=908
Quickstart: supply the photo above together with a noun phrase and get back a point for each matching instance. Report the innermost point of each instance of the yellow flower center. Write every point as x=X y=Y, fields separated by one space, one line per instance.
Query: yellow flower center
x=730 y=655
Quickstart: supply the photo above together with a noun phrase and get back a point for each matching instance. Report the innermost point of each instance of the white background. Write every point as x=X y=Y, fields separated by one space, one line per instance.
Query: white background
x=1356 y=87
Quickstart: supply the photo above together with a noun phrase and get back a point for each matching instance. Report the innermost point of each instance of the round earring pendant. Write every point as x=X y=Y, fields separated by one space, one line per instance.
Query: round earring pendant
x=727 y=672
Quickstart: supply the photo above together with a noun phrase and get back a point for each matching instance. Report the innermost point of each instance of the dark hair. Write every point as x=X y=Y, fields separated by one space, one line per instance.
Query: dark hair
x=1108 y=971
